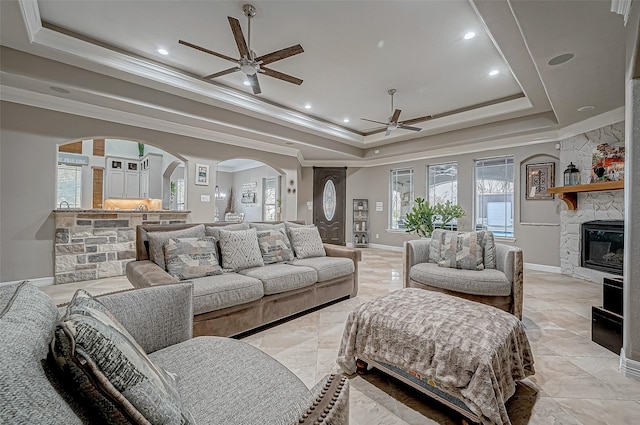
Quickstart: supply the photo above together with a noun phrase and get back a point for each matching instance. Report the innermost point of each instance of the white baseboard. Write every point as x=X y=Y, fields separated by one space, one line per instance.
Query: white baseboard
x=542 y=268
x=629 y=368
x=388 y=247
x=40 y=281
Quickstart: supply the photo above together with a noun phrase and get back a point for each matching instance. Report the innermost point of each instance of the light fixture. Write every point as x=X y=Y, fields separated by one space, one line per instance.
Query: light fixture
x=307 y=106
x=246 y=83
x=469 y=35
x=565 y=57
x=162 y=51
x=494 y=72
x=217 y=194
x=586 y=108
x=345 y=120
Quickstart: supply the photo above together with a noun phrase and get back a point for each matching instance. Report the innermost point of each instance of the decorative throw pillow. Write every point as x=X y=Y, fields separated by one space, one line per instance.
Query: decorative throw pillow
x=274 y=246
x=107 y=365
x=240 y=250
x=158 y=239
x=463 y=251
x=189 y=258
x=306 y=242
x=215 y=230
x=489 y=246
x=437 y=239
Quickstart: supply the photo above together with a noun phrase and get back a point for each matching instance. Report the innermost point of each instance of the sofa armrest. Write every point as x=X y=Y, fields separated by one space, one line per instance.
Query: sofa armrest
x=342 y=251
x=156 y=317
x=329 y=403
x=146 y=273
x=415 y=252
x=509 y=261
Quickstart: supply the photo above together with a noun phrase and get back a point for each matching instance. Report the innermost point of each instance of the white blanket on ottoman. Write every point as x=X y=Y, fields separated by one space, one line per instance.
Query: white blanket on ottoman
x=472 y=351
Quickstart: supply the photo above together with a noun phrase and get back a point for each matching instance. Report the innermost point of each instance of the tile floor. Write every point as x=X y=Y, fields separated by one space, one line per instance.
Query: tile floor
x=576 y=380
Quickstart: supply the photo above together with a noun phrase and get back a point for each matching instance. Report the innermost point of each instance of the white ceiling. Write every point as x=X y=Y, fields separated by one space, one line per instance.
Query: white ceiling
x=354 y=52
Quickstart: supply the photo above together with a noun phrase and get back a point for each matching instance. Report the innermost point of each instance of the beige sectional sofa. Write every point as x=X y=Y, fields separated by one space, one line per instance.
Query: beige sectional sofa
x=232 y=303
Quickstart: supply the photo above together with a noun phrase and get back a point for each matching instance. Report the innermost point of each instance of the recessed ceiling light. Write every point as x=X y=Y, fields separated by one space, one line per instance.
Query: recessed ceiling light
x=162 y=51
x=345 y=120
x=586 y=108
x=307 y=106
x=565 y=57
x=59 y=90
x=494 y=73
x=246 y=83
x=288 y=143
x=469 y=35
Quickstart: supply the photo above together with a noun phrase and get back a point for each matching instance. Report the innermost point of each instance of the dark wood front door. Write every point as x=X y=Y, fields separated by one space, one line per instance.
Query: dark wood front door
x=329 y=203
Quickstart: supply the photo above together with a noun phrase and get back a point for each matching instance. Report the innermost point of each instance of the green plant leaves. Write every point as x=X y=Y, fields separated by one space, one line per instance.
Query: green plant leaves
x=424 y=218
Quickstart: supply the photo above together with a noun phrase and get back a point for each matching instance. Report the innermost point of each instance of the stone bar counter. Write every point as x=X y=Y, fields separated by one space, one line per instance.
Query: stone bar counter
x=94 y=244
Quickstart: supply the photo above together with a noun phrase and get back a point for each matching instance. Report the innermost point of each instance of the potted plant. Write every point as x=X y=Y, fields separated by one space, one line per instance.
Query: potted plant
x=424 y=218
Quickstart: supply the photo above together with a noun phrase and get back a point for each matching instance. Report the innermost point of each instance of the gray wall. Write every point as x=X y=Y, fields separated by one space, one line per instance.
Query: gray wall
x=536 y=232
x=29 y=138
x=252 y=212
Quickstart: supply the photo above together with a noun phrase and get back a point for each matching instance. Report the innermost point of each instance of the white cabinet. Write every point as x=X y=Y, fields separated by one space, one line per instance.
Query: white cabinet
x=123 y=178
x=151 y=176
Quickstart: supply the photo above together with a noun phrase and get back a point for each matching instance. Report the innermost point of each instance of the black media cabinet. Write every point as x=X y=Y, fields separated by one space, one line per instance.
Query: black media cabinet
x=607 y=321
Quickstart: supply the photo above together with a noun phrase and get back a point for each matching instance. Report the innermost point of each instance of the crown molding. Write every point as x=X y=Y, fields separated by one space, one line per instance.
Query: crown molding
x=31 y=15
x=54 y=103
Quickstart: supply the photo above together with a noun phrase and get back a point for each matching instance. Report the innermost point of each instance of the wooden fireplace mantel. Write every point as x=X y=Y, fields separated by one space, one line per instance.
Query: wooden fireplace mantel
x=569 y=194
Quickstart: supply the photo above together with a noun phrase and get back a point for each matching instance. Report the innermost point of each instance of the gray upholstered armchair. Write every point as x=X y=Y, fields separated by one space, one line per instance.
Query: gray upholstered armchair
x=500 y=287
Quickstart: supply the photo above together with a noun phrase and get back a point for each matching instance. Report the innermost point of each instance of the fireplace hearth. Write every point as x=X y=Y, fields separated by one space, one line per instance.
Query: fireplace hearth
x=603 y=245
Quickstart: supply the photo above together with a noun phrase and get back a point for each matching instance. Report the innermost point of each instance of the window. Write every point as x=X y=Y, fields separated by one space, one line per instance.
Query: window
x=69 y=186
x=180 y=194
x=494 y=195
x=269 y=190
x=442 y=183
x=401 y=197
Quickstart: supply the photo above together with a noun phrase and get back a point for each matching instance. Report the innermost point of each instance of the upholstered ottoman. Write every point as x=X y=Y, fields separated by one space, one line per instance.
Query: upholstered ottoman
x=465 y=354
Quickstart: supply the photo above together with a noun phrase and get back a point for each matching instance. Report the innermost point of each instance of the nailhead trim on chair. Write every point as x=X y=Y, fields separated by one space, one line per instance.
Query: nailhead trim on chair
x=322 y=408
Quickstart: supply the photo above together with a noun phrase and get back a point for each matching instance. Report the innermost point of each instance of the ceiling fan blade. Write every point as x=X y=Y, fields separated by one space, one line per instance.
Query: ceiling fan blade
x=388 y=132
x=377 y=122
x=221 y=73
x=211 y=52
x=280 y=76
x=419 y=119
x=237 y=34
x=396 y=115
x=406 y=127
x=255 y=85
x=280 y=54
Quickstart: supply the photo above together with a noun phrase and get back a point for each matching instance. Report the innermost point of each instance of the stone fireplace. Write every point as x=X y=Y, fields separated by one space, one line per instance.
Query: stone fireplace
x=607 y=205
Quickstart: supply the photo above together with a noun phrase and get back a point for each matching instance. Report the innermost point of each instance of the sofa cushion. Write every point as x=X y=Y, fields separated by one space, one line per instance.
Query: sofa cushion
x=463 y=251
x=188 y=258
x=306 y=242
x=327 y=267
x=215 y=230
x=280 y=277
x=27 y=320
x=240 y=250
x=268 y=226
x=274 y=246
x=212 y=293
x=158 y=239
x=435 y=245
x=92 y=346
x=240 y=383
x=485 y=282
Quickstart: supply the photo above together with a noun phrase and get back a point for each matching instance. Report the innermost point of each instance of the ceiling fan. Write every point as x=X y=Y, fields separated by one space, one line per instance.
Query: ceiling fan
x=393 y=123
x=249 y=63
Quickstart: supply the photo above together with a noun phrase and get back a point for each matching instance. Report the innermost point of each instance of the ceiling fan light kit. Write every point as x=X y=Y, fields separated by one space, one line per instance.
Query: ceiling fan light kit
x=393 y=122
x=250 y=64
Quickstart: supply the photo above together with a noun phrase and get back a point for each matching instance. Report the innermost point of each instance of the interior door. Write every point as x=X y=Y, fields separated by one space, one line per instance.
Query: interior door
x=329 y=203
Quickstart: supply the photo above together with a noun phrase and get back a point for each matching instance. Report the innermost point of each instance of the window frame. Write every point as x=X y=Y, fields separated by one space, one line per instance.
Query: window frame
x=390 y=220
x=428 y=187
x=509 y=223
x=77 y=169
